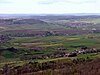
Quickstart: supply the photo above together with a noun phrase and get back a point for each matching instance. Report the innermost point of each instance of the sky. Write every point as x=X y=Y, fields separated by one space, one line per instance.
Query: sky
x=49 y=6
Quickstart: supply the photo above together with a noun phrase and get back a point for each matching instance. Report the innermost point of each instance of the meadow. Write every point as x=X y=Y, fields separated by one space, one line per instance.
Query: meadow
x=49 y=42
x=49 y=45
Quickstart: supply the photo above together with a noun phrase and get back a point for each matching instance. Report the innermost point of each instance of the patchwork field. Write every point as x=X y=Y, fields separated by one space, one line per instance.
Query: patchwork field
x=48 y=44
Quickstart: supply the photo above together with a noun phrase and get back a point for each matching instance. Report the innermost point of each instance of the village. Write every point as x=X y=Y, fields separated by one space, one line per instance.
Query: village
x=61 y=53
x=84 y=50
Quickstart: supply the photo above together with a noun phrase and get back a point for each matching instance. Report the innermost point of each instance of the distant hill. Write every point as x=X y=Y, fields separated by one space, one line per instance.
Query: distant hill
x=25 y=23
x=20 y=21
x=50 y=21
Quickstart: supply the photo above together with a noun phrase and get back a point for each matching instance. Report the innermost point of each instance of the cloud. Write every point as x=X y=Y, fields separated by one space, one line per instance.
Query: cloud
x=47 y=2
x=4 y=1
x=66 y=1
x=81 y=1
x=49 y=6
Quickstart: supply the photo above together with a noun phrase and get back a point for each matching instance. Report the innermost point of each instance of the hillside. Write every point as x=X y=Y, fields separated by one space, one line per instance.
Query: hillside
x=50 y=45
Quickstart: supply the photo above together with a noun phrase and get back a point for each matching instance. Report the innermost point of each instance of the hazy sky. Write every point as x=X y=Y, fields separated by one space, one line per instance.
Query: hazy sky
x=49 y=6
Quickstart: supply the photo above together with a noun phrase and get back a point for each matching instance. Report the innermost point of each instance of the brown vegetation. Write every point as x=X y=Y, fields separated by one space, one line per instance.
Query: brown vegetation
x=78 y=66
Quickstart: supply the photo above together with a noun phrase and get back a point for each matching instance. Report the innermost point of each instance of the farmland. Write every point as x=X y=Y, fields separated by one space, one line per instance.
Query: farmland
x=47 y=41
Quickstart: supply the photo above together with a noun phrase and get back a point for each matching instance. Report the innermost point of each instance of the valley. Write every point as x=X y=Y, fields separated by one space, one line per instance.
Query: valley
x=32 y=45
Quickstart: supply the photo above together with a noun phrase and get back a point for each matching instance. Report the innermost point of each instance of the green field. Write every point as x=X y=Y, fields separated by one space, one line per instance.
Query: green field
x=49 y=45
x=45 y=48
